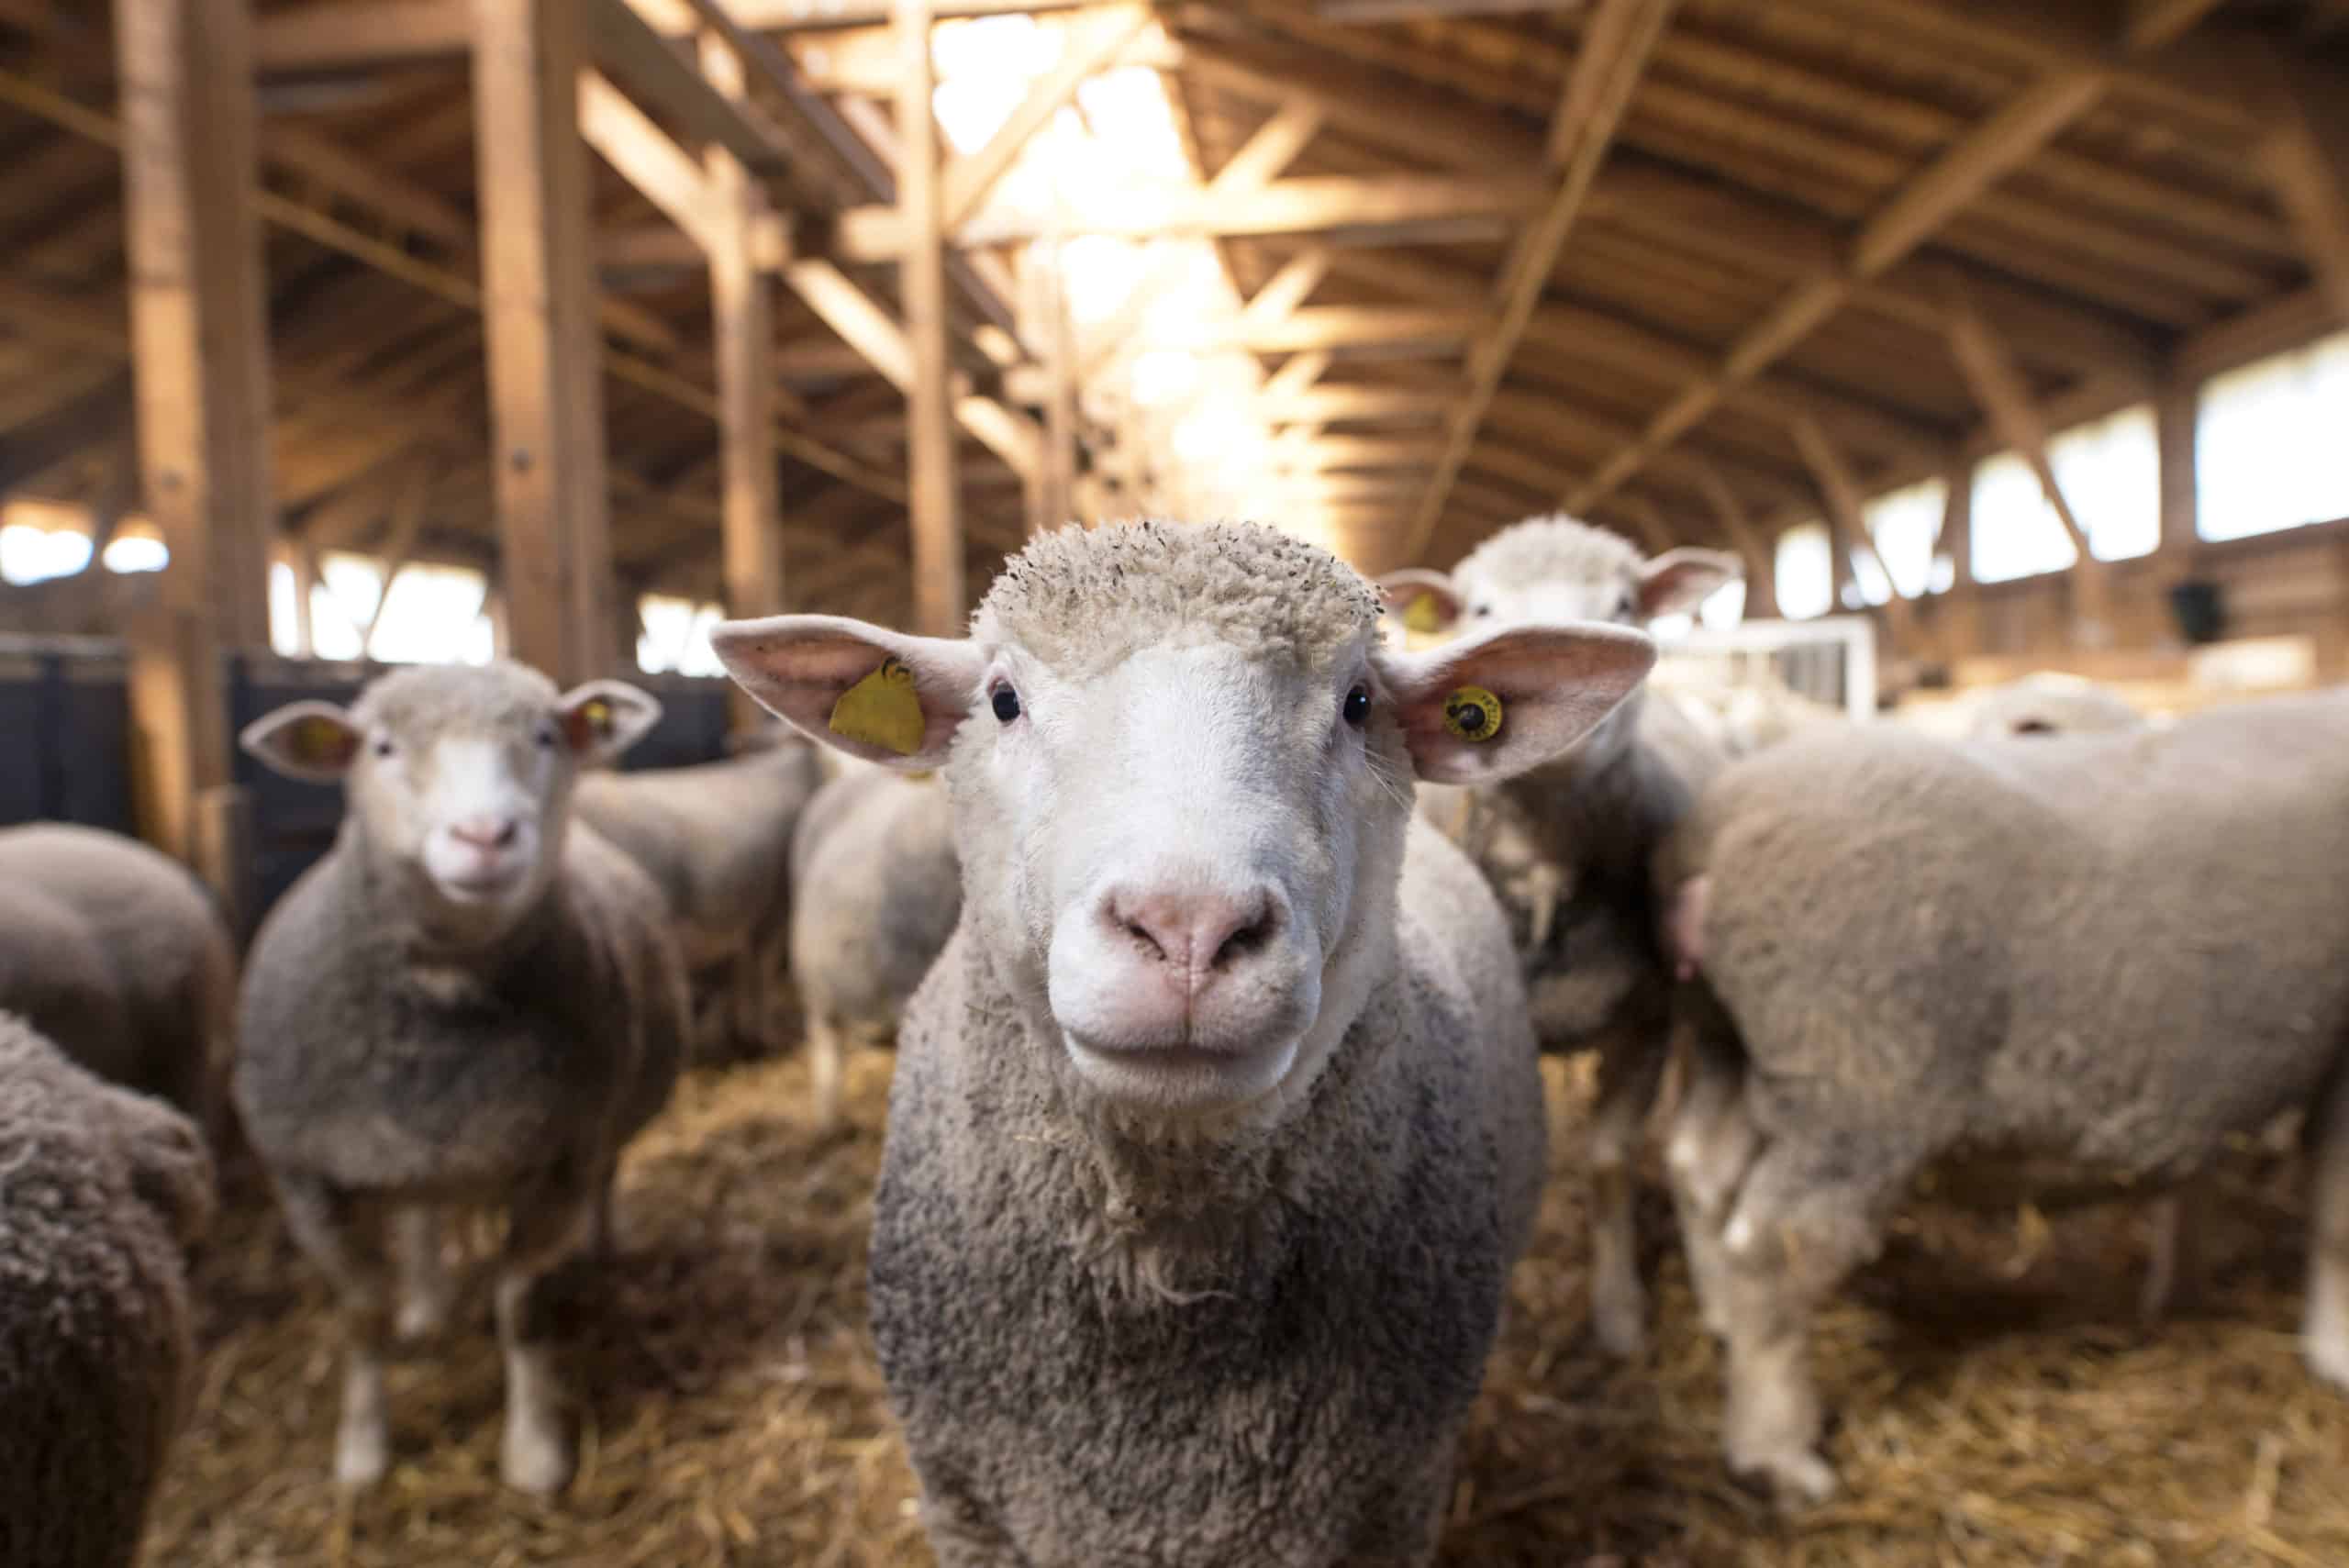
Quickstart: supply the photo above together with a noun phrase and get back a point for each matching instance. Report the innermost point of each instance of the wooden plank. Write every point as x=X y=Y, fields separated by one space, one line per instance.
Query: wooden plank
x=1616 y=45
x=1085 y=52
x=742 y=305
x=1737 y=527
x=318 y=157
x=1319 y=405
x=644 y=156
x=937 y=521
x=199 y=335
x=2150 y=23
x=1433 y=10
x=345 y=35
x=1306 y=204
x=546 y=385
x=659 y=76
x=2177 y=413
x=1839 y=495
x=2307 y=162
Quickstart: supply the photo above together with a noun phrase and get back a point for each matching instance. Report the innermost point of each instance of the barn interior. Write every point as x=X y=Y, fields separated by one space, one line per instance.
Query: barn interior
x=1991 y=337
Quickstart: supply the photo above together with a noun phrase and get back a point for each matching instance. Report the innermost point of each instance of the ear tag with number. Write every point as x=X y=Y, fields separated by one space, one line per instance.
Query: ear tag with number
x=882 y=710
x=1424 y=614
x=1473 y=713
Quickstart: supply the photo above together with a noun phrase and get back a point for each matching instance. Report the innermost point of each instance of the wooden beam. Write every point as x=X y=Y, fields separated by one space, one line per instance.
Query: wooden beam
x=1616 y=44
x=2177 y=413
x=414 y=498
x=1737 y=527
x=937 y=521
x=2153 y=23
x=1839 y=494
x=1998 y=386
x=741 y=307
x=1935 y=195
x=348 y=35
x=1332 y=327
x=1086 y=50
x=1434 y=10
x=661 y=77
x=2307 y=162
x=663 y=172
x=1308 y=205
x=199 y=327
x=546 y=385
x=1056 y=480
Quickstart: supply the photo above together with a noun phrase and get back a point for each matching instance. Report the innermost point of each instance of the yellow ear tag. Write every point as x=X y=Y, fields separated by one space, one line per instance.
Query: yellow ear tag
x=1423 y=613
x=882 y=710
x=1473 y=713
x=321 y=742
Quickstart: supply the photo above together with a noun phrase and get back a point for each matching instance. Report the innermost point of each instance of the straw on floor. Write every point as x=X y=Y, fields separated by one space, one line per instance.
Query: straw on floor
x=2003 y=1405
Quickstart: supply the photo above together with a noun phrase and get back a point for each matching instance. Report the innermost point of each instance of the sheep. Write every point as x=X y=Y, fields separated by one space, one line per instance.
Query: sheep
x=1575 y=839
x=876 y=891
x=1218 y=1126
x=113 y=951
x=471 y=999
x=2064 y=962
x=716 y=840
x=100 y=1190
x=2051 y=703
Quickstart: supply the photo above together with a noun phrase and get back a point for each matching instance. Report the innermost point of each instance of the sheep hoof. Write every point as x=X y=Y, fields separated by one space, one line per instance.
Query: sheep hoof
x=1620 y=1319
x=535 y=1459
x=1797 y=1476
x=420 y=1317
x=361 y=1454
x=2329 y=1359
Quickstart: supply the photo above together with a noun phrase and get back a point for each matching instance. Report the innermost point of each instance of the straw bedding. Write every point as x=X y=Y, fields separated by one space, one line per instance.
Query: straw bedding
x=2002 y=1404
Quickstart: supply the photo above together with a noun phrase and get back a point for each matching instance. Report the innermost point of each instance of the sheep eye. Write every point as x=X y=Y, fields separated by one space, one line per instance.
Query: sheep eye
x=1006 y=703
x=1357 y=707
x=1625 y=606
x=382 y=745
x=546 y=736
x=1483 y=609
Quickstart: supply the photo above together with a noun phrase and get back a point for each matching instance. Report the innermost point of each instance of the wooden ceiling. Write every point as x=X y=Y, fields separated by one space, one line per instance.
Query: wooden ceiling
x=1696 y=269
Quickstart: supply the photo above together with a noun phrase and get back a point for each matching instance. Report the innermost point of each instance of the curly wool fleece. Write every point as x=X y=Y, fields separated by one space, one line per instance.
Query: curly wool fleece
x=1550 y=549
x=1082 y=600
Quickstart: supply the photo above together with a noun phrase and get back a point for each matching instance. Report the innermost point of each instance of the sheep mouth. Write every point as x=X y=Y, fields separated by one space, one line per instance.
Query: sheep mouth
x=484 y=886
x=1181 y=1077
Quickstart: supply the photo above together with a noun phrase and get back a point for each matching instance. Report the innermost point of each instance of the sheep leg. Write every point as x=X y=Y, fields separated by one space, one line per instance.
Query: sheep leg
x=828 y=1060
x=1712 y=1145
x=1805 y=1216
x=750 y=998
x=426 y=1291
x=1630 y=1064
x=344 y=1239
x=2325 y=1329
x=547 y=1226
x=2173 y=1266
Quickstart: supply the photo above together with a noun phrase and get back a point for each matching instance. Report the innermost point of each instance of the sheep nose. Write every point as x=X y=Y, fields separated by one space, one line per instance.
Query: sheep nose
x=1198 y=936
x=485 y=832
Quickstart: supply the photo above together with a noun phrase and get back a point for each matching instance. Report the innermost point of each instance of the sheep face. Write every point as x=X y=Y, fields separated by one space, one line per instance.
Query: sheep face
x=459 y=780
x=1555 y=571
x=1181 y=837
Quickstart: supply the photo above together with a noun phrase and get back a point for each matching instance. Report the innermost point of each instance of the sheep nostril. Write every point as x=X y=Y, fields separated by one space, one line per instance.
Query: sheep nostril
x=1150 y=945
x=1247 y=939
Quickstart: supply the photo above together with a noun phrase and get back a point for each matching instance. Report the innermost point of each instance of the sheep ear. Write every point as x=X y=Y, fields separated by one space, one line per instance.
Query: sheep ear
x=872 y=693
x=1676 y=581
x=315 y=742
x=1425 y=601
x=601 y=719
x=1490 y=707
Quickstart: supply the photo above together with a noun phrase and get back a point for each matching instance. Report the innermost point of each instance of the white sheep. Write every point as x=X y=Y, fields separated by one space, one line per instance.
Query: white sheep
x=875 y=891
x=1569 y=844
x=1218 y=1126
x=716 y=840
x=2078 y=963
x=471 y=999
x=100 y=1190
x=115 y=953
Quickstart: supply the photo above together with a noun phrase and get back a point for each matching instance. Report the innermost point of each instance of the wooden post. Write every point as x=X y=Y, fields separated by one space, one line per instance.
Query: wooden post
x=1059 y=467
x=2176 y=408
x=1962 y=607
x=302 y=561
x=741 y=307
x=539 y=313
x=937 y=519
x=200 y=356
